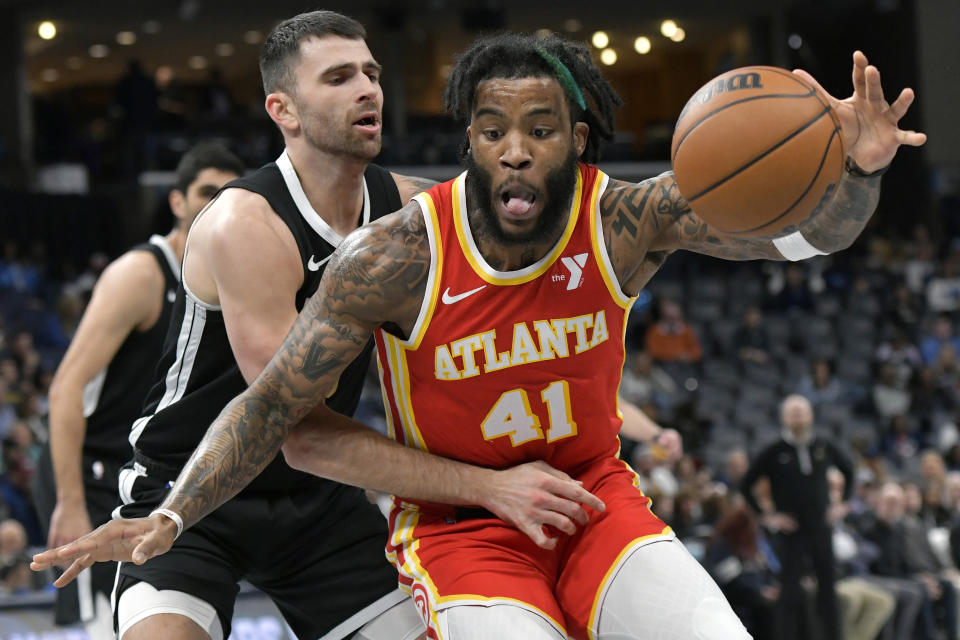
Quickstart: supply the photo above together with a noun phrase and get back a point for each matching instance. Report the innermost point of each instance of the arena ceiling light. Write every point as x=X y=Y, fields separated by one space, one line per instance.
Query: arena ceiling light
x=224 y=49
x=99 y=51
x=253 y=37
x=47 y=30
x=600 y=39
x=126 y=38
x=642 y=45
x=572 y=25
x=50 y=75
x=151 y=27
x=197 y=62
x=668 y=28
x=678 y=35
x=608 y=57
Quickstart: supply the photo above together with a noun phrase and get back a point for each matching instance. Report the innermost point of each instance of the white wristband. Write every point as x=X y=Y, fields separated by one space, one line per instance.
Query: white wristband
x=177 y=520
x=795 y=247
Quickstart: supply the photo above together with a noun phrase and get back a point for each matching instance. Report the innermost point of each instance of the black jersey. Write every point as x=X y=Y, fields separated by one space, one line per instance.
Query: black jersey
x=198 y=374
x=114 y=398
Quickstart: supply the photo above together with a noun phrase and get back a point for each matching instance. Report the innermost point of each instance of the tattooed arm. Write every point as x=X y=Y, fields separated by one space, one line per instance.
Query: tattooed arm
x=410 y=186
x=644 y=222
x=376 y=277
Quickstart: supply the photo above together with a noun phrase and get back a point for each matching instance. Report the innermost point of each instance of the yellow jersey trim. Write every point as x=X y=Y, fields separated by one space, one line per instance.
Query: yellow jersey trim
x=600 y=247
x=475 y=258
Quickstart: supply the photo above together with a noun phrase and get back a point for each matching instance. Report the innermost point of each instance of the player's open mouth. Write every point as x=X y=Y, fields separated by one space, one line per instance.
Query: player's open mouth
x=518 y=202
x=370 y=122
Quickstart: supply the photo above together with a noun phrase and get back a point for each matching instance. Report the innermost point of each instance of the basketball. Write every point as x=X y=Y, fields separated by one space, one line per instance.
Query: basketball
x=756 y=151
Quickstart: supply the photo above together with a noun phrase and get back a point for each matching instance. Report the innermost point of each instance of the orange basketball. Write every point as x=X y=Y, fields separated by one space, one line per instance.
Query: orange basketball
x=756 y=151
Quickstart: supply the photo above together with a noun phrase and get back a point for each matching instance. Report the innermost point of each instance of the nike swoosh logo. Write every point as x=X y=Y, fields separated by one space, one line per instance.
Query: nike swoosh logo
x=313 y=265
x=449 y=299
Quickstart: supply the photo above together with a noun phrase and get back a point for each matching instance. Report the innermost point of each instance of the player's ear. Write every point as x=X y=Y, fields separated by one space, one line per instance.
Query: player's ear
x=282 y=110
x=178 y=203
x=580 y=132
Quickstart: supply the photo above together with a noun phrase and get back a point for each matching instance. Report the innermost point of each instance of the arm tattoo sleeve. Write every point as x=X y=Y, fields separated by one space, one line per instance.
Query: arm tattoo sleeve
x=373 y=278
x=652 y=215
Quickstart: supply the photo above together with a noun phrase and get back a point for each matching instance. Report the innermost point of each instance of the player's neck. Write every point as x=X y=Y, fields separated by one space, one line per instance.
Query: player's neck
x=333 y=185
x=177 y=239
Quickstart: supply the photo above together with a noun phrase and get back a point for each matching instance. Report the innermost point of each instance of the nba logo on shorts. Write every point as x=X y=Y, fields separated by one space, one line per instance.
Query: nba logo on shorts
x=575 y=266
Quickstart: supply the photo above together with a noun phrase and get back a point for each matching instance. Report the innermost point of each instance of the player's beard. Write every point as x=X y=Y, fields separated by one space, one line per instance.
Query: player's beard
x=329 y=136
x=558 y=190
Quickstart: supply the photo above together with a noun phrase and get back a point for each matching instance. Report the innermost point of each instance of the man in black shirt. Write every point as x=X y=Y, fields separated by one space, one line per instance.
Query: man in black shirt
x=796 y=466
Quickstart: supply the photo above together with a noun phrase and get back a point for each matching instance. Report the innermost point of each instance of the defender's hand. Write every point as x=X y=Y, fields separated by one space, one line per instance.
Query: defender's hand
x=136 y=540
x=534 y=494
x=869 y=122
x=69 y=521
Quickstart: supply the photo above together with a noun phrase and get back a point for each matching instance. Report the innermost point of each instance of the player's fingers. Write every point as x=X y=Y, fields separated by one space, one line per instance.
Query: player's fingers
x=556 y=473
x=560 y=522
x=73 y=570
x=576 y=493
x=899 y=107
x=569 y=509
x=535 y=532
x=874 y=88
x=911 y=138
x=859 y=77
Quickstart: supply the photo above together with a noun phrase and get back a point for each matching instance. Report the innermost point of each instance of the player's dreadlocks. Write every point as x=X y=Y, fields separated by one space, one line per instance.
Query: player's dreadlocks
x=512 y=55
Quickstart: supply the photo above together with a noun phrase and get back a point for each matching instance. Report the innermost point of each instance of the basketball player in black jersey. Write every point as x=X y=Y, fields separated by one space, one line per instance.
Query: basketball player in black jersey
x=100 y=385
x=253 y=257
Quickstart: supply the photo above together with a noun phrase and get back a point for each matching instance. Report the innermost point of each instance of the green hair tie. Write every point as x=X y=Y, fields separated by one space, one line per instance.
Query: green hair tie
x=563 y=75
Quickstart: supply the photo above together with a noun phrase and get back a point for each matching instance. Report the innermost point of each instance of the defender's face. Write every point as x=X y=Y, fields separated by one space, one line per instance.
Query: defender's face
x=520 y=136
x=204 y=187
x=338 y=98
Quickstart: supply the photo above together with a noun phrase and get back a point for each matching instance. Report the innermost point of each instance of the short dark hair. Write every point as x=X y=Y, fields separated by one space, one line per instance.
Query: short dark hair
x=514 y=55
x=205 y=155
x=282 y=46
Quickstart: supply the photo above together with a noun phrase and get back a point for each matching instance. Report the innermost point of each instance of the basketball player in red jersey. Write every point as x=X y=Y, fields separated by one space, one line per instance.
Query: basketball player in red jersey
x=498 y=303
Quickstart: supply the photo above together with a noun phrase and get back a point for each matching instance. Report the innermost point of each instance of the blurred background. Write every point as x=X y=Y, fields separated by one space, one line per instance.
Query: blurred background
x=100 y=98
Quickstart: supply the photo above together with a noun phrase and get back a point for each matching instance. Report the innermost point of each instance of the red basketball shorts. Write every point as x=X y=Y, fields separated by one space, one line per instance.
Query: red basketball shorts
x=444 y=562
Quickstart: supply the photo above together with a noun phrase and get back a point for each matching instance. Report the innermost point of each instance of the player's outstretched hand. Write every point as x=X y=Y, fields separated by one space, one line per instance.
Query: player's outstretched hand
x=869 y=122
x=135 y=540
x=535 y=494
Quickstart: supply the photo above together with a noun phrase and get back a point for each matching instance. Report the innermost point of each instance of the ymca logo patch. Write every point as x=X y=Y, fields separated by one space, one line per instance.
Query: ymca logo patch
x=575 y=266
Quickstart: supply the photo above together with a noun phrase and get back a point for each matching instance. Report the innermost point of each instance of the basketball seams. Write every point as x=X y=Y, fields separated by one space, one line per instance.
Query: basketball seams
x=816 y=176
x=760 y=157
x=765 y=96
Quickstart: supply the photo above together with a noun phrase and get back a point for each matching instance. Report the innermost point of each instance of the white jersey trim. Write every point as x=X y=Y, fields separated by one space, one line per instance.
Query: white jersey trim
x=316 y=222
x=432 y=239
x=178 y=375
x=168 y=252
x=92 y=391
x=186 y=248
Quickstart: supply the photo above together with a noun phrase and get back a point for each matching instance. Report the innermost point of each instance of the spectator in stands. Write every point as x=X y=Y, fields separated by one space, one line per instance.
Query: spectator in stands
x=744 y=566
x=868 y=603
x=889 y=398
x=793 y=295
x=8 y=415
x=644 y=383
x=943 y=290
x=904 y=309
x=15 y=483
x=900 y=442
x=889 y=533
x=796 y=466
x=940 y=335
x=750 y=342
x=735 y=467
x=671 y=338
x=898 y=351
x=822 y=387
x=14 y=561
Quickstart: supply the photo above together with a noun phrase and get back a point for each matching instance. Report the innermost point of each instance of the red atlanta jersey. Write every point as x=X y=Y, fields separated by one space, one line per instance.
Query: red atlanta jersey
x=508 y=367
